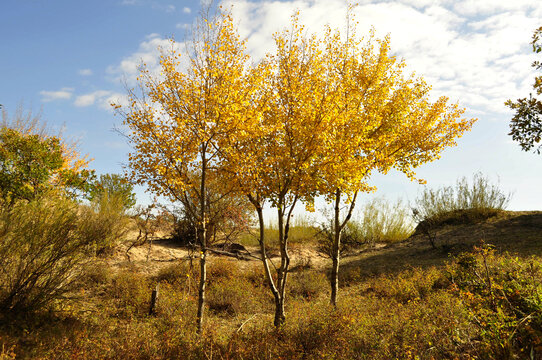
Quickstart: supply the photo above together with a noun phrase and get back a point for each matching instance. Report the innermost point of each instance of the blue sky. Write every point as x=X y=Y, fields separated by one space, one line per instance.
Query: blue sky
x=69 y=58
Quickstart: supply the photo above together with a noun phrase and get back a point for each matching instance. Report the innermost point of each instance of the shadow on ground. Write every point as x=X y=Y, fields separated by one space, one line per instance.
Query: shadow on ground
x=518 y=233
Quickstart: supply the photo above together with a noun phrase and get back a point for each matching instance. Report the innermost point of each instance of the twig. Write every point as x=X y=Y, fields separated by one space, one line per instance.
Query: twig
x=244 y=322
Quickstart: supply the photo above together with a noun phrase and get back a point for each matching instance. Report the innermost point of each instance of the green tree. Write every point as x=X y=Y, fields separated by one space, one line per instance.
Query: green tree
x=34 y=160
x=526 y=125
x=32 y=163
x=113 y=185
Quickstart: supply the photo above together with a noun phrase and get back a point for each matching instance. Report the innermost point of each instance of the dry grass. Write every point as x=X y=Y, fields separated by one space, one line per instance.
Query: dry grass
x=404 y=301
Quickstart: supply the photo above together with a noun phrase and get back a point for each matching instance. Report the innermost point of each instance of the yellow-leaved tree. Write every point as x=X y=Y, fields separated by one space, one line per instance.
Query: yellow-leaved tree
x=275 y=163
x=332 y=111
x=185 y=119
x=383 y=119
x=313 y=118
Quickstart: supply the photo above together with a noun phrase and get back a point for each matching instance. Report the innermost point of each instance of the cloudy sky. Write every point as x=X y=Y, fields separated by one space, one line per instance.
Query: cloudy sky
x=71 y=58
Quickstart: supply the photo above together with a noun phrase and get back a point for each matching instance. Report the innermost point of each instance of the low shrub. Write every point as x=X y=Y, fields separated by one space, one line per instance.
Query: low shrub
x=131 y=293
x=105 y=221
x=307 y=284
x=96 y=273
x=409 y=285
x=43 y=244
x=235 y=296
x=176 y=273
x=223 y=268
x=466 y=202
x=504 y=297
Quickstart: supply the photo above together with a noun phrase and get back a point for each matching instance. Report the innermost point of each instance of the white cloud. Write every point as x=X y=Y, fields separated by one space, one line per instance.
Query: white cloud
x=90 y=98
x=186 y=10
x=182 y=26
x=488 y=7
x=62 y=94
x=474 y=51
x=85 y=72
x=148 y=55
x=114 y=98
x=167 y=8
x=129 y=2
x=101 y=98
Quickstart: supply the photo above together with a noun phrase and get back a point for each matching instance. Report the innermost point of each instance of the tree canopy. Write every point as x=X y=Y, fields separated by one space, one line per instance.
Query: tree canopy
x=183 y=122
x=526 y=125
x=31 y=161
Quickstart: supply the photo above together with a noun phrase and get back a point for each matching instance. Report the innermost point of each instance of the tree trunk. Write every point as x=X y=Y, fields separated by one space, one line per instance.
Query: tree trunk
x=279 y=304
x=201 y=292
x=338 y=227
x=280 y=316
x=335 y=251
x=203 y=244
x=282 y=278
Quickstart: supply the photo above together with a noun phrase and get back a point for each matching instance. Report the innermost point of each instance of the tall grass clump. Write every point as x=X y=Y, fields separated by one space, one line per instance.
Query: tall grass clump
x=302 y=230
x=378 y=221
x=384 y=221
x=466 y=201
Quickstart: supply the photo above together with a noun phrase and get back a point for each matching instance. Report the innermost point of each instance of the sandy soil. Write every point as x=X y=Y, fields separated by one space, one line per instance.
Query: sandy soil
x=160 y=252
x=516 y=232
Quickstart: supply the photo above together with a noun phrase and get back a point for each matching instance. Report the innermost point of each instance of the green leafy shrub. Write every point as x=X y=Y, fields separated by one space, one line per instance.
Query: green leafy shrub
x=33 y=162
x=113 y=185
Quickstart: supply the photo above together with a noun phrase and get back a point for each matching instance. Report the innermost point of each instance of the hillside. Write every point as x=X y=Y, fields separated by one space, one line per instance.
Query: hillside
x=516 y=232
